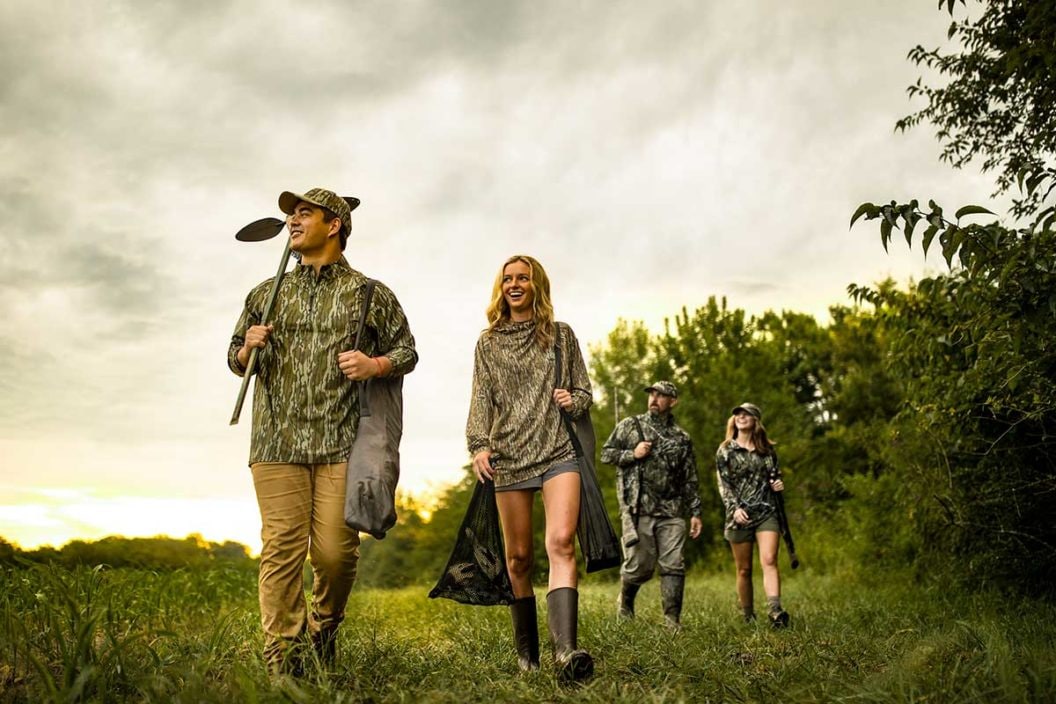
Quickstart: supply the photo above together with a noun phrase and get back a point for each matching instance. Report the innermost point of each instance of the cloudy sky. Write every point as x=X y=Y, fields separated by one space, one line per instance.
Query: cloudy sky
x=649 y=154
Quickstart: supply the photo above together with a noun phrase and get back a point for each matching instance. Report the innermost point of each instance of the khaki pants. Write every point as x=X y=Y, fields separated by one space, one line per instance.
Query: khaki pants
x=660 y=542
x=302 y=510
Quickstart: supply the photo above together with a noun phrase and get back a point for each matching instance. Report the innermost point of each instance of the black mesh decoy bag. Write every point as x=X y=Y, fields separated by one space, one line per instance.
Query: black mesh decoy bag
x=476 y=571
x=597 y=539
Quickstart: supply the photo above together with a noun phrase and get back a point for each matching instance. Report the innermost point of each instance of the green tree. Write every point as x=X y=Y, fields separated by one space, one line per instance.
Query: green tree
x=720 y=356
x=975 y=436
x=998 y=99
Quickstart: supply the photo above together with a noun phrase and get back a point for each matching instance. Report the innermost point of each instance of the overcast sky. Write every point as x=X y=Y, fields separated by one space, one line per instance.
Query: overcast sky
x=650 y=155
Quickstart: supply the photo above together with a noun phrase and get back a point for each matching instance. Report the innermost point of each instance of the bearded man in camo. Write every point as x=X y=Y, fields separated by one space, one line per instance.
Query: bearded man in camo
x=305 y=413
x=658 y=488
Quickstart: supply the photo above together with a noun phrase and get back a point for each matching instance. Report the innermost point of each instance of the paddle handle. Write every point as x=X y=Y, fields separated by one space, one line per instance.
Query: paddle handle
x=251 y=366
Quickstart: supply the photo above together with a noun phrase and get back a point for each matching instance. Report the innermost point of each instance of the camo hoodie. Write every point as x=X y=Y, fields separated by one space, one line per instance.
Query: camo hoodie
x=511 y=408
x=305 y=411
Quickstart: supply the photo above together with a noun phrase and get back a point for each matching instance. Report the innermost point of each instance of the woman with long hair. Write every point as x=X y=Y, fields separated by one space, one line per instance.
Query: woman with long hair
x=516 y=438
x=748 y=476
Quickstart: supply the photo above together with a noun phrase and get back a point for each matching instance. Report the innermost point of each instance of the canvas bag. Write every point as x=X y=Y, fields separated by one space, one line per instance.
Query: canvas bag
x=597 y=539
x=476 y=571
x=374 y=463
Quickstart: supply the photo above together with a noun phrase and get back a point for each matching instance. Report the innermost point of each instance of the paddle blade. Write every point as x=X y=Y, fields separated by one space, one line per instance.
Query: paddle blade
x=352 y=202
x=260 y=230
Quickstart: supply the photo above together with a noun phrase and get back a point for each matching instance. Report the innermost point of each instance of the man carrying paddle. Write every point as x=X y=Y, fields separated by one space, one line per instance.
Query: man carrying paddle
x=657 y=487
x=305 y=413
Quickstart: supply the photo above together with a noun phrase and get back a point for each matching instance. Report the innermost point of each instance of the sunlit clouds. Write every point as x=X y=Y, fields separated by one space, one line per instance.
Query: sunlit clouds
x=649 y=155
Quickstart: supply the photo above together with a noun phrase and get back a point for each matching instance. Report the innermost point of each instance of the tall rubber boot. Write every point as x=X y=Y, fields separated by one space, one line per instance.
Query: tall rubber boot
x=525 y=633
x=572 y=664
x=626 y=603
x=672 y=587
x=325 y=645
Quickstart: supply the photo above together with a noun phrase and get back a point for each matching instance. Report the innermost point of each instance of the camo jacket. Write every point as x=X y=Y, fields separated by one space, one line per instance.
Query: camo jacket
x=305 y=411
x=744 y=482
x=664 y=482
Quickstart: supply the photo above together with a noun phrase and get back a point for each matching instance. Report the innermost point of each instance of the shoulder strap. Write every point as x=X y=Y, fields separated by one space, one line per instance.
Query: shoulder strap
x=638 y=424
x=368 y=294
x=566 y=420
x=557 y=356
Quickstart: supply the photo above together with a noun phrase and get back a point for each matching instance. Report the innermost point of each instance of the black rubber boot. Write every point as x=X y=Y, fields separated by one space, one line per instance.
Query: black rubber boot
x=325 y=645
x=626 y=601
x=573 y=664
x=525 y=633
x=672 y=587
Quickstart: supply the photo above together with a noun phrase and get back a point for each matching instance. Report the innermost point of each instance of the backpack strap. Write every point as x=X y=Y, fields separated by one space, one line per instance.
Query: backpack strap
x=565 y=418
x=368 y=295
x=638 y=424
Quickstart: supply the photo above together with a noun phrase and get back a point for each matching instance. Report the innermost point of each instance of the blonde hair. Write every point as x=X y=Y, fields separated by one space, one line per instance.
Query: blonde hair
x=498 y=310
x=763 y=444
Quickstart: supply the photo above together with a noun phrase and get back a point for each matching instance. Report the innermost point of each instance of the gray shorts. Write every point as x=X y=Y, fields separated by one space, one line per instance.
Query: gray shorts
x=536 y=483
x=747 y=535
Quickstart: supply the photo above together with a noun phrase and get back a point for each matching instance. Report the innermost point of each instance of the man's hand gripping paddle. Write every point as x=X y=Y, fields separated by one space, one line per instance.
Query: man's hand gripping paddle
x=258 y=231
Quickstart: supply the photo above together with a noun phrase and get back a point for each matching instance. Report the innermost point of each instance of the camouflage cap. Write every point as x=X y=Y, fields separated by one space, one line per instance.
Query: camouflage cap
x=663 y=387
x=342 y=207
x=749 y=408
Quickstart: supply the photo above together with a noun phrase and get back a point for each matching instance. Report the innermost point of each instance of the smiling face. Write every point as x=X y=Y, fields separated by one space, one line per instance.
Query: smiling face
x=744 y=422
x=517 y=290
x=310 y=233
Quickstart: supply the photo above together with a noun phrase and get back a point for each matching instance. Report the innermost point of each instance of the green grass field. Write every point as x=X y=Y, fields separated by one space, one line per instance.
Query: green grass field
x=193 y=636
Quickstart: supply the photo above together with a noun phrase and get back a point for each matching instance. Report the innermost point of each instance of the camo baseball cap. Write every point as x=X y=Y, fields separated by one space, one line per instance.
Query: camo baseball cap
x=663 y=387
x=749 y=408
x=342 y=207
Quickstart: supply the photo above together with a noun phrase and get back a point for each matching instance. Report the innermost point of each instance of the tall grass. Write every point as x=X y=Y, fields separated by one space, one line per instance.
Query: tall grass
x=193 y=636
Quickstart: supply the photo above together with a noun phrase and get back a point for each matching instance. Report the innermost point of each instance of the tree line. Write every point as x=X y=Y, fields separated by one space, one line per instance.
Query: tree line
x=157 y=553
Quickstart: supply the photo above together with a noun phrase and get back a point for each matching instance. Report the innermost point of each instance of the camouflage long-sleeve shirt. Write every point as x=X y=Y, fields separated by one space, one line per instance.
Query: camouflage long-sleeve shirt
x=664 y=482
x=511 y=408
x=744 y=482
x=304 y=408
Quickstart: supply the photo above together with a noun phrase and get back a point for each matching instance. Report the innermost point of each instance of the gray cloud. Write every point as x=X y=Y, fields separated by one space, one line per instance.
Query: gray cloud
x=649 y=155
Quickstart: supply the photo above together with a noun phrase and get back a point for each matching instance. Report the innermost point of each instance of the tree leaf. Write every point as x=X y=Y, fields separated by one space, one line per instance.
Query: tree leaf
x=949 y=244
x=911 y=221
x=971 y=210
x=862 y=210
x=928 y=236
x=885 y=232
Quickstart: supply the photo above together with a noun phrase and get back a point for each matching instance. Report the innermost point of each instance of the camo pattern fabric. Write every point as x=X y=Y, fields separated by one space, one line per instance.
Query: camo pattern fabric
x=305 y=411
x=664 y=483
x=744 y=482
x=321 y=197
x=512 y=410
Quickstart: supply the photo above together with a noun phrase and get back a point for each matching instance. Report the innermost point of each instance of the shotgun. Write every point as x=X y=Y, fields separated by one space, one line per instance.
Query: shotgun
x=782 y=521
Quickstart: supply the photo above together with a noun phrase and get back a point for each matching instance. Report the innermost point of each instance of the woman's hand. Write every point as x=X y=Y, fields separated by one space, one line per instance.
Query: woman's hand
x=777 y=485
x=563 y=398
x=482 y=466
x=740 y=517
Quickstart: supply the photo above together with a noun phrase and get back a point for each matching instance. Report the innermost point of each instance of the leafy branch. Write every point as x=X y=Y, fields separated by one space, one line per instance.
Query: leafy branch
x=955 y=239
